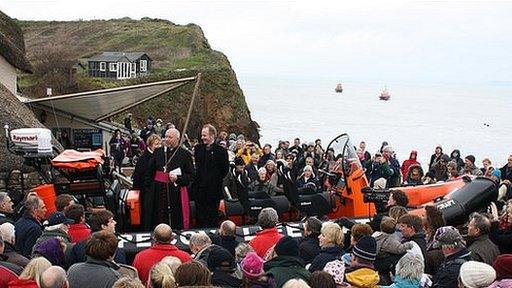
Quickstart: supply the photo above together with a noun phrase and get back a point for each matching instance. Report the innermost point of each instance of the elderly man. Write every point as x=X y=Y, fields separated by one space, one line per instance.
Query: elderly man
x=268 y=237
x=481 y=247
x=227 y=236
x=54 y=277
x=162 y=247
x=29 y=226
x=6 y=210
x=7 y=234
x=212 y=166
x=455 y=254
x=172 y=171
x=200 y=244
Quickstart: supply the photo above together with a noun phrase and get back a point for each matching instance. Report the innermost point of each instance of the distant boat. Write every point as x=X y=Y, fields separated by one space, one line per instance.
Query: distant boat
x=338 y=88
x=384 y=95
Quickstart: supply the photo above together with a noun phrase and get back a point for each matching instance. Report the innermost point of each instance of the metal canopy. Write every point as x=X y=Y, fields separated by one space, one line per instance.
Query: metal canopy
x=99 y=105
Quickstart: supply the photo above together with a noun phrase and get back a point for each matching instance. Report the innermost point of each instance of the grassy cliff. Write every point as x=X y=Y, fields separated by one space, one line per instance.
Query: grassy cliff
x=176 y=50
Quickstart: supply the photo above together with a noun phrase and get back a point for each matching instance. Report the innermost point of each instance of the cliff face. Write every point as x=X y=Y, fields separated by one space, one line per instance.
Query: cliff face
x=176 y=50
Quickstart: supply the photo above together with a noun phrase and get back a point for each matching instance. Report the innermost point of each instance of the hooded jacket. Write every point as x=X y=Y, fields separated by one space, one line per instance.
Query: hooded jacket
x=284 y=268
x=264 y=240
x=457 y=159
x=363 y=277
x=409 y=162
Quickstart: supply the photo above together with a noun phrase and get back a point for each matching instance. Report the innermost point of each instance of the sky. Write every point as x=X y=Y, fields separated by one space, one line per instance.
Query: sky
x=447 y=42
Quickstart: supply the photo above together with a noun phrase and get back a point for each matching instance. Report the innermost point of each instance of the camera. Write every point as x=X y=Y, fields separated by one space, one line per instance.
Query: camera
x=379 y=198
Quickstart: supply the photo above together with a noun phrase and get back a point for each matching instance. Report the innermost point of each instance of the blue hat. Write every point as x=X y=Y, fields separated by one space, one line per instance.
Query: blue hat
x=497 y=173
x=366 y=248
x=59 y=218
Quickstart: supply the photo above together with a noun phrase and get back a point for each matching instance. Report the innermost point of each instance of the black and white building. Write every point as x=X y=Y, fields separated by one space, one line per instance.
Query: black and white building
x=119 y=65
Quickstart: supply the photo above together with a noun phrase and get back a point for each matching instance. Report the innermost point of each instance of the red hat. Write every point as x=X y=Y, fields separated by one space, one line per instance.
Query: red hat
x=503 y=266
x=252 y=265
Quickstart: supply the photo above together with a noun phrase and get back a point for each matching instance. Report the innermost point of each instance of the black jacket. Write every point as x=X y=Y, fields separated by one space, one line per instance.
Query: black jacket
x=28 y=229
x=309 y=247
x=506 y=173
x=501 y=238
x=142 y=179
x=229 y=243
x=421 y=240
x=325 y=256
x=448 y=274
x=211 y=167
x=223 y=279
x=482 y=249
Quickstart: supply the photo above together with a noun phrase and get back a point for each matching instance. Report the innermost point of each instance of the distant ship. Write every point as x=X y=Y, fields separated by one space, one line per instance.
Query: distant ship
x=338 y=88
x=384 y=95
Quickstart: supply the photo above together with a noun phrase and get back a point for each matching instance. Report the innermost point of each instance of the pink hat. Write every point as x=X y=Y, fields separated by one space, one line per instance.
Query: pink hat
x=252 y=265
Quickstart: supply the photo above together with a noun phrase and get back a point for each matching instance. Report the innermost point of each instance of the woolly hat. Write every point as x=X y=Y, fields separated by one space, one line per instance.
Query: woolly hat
x=366 y=248
x=496 y=173
x=475 y=274
x=287 y=246
x=447 y=235
x=252 y=265
x=471 y=158
x=503 y=266
x=220 y=258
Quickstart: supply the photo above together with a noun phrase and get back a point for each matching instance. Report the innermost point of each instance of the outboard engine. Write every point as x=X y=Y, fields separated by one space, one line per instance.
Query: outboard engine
x=475 y=196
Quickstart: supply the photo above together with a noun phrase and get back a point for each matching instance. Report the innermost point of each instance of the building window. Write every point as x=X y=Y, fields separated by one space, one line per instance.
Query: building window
x=103 y=66
x=143 y=65
x=112 y=67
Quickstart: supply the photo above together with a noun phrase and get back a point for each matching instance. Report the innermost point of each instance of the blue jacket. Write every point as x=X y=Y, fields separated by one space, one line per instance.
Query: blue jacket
x=28 y=229
x=325 y=256
x=448 y=273
x=403 y=283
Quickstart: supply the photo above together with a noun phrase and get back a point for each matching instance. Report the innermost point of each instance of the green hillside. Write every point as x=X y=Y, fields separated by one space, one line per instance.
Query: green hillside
x=176 y=50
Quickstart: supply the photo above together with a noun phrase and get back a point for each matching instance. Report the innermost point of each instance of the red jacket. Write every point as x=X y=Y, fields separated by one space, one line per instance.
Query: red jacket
x=265 y=240
x=21 y=283
x=145 y=259
x=6 y=276
x=78 y=232
x=408 y=163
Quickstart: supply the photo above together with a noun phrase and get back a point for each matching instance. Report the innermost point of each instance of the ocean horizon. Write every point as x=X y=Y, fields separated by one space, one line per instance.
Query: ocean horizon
x=474 y=119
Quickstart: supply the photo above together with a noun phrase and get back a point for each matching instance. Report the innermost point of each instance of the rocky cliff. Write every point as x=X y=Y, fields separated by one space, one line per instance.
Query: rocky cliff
x=176 y=50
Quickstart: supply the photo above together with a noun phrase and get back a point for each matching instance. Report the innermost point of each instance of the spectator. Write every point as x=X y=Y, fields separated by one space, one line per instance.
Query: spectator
x=53 y=250
x=241 y=251
x=440 y=170
x=222 y=265
x=63 y=201
x=396 y=198
x=306 y=178
x=78 y=230
x=54 y=277
x=414 y=176
x=361 y=272
x=172 y=262
x=161 y=276
x=455 y=157
x=227 y=232
x=253 y=273
x=252 y=167
x=469 y=166
x=331 y=243
x=434 y=159
x=309 y=246
x=200 y=245
x=30 y=276
x=100 y=248
x=411 y=227
x=6 y=276
x=268 y=237
x=29 y=227
x=58 y=227
x=7 y=234
x=501 y=230
x=396 y=212
x=409 y=162
x=455 y=254
x=192 y=274
x=162 y=247
x=409 y=271
x=98 y=221
x=474 y=274
x=378 y=171
x=7 y=265
x=287 y=264
x=128 y=122
x=478 y=242
x=506 y=177
x=6 y=209
x=267 y=155
x=322 y=279
x=262 y=184
x=503 y=267
x=432 y=222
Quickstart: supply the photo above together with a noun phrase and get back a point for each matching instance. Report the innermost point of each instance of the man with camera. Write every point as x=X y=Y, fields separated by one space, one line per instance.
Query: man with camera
x=396 y=198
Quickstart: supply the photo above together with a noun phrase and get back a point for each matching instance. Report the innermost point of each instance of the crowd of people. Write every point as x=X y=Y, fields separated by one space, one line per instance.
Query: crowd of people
x=396 y=249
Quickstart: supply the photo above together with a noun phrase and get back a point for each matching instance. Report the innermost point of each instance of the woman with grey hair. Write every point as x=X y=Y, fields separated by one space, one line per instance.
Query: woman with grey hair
x=268 y=237
x=409 y=271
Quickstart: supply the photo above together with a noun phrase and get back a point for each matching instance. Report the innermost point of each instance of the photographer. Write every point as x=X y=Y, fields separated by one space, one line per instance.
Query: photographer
x=396 y=198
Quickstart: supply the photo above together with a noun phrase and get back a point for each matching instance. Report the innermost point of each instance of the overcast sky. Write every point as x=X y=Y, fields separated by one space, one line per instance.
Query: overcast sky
x=434 y=42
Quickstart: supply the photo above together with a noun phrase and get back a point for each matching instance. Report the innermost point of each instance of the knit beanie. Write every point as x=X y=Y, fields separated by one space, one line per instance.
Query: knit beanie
x=471 y=158
x=287 y=246
x=220 y=258
x=475 y=274
x=503 y=266
x=252 y=265
x=366 y=248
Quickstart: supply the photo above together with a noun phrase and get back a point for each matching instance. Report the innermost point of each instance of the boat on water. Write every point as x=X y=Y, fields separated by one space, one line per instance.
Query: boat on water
x=338 y=88
x=384 y=95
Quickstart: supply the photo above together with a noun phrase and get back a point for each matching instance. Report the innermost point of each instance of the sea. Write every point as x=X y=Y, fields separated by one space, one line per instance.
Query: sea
x=477 y=120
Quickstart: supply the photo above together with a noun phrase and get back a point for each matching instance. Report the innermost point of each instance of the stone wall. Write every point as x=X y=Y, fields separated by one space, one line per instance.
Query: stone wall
x=11 y=181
